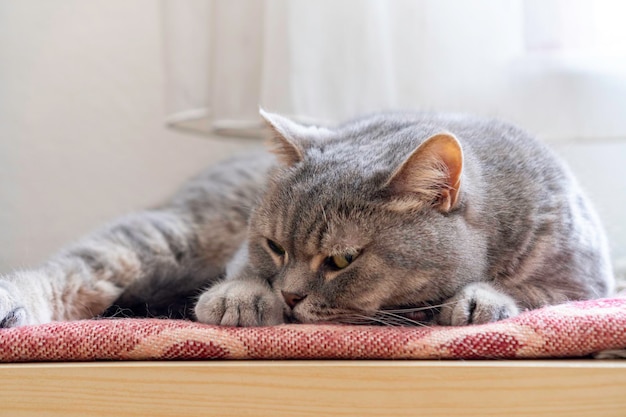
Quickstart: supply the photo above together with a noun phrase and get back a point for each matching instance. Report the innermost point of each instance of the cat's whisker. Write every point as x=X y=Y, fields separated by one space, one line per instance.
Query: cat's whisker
x=420 y=308
x=408 y=310
x=355 y=321
x=390 y=319
x=402 y=319
x=379 y=320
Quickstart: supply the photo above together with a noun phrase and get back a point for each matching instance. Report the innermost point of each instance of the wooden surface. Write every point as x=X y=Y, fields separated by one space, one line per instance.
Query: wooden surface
x=315 y=388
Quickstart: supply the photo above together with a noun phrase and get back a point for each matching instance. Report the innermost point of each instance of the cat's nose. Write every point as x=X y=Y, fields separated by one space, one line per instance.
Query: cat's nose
x=292 y=299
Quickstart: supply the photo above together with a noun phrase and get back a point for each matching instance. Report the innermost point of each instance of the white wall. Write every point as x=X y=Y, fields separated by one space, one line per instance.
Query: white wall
x=81 y=122
x=81 y=132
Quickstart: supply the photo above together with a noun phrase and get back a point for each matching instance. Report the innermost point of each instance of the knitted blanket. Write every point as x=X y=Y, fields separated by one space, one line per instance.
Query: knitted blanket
x=568 y=330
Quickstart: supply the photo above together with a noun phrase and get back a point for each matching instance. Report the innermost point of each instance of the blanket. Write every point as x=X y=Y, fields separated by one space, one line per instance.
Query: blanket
x=570 y=330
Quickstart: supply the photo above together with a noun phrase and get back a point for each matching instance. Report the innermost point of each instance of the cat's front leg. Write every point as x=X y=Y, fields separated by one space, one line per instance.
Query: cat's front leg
x=242 y=299
x=477 y=303
x=83 y=280
x=13 y=310
x=23 y=299
x=53 y=293
x=240 y=303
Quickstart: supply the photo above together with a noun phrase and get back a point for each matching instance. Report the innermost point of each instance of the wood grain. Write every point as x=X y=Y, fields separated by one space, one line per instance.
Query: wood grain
x=315 y=388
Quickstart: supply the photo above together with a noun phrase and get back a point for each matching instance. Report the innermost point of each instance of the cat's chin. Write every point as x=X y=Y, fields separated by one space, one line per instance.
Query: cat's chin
x=290 y=319
x=293 y=319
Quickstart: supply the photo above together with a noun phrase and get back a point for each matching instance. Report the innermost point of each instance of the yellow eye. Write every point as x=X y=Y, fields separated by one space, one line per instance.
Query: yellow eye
x=338 y=262
x=275 y=247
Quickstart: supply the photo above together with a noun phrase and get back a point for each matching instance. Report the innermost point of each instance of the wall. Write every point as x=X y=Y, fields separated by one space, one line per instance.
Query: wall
x=81 y=122
x=82 y=136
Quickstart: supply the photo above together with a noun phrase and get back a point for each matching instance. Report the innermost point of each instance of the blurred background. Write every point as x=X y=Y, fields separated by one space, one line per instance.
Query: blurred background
x=107 y=105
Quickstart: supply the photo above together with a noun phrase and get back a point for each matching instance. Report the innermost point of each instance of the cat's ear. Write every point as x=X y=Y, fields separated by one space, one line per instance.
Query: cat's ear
x=289 y=139
x=431 y=173
x=281 y=141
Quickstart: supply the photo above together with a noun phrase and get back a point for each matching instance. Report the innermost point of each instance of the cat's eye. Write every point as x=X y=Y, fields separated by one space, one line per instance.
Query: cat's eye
x=275 y=247
x=337 y=262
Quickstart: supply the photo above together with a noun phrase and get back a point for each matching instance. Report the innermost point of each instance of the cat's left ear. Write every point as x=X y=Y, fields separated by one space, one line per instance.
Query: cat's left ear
x=289 y=139
x=431 y=173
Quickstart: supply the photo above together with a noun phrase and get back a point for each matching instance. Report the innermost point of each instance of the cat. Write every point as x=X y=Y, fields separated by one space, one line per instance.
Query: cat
x=392 y=218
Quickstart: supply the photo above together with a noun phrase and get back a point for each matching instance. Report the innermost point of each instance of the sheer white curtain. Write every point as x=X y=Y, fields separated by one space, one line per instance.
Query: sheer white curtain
x=556 y=67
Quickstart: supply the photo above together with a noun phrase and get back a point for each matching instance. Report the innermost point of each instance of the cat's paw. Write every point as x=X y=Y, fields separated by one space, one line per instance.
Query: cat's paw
x=239 y=303
x=12 y=310
x=477 y=303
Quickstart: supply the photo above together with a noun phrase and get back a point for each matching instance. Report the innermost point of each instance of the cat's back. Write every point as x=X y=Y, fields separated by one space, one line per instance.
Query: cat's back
x=500 y=159
x=490 y=142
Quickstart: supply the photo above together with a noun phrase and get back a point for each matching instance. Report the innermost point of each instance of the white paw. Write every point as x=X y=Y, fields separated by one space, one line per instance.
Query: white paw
x=12 y=310
x=239 y=303
x=477 y=303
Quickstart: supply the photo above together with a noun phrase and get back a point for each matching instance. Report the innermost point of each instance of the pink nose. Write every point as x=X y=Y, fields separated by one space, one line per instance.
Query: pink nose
x=292 y=299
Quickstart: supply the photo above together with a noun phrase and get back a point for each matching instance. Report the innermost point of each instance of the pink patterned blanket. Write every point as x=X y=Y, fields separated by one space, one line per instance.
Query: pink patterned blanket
x=569 y=330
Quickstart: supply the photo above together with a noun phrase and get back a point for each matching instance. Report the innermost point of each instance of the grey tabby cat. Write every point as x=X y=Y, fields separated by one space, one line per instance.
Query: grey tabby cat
x=395 y=218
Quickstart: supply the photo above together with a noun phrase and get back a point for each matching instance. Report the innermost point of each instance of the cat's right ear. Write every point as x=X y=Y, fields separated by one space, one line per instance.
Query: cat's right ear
x=431 y=174
x=289 y=139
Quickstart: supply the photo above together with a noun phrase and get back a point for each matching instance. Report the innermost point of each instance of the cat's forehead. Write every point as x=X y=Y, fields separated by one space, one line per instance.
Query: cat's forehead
x=344 y=236
x=316 y=221
x=332 y=236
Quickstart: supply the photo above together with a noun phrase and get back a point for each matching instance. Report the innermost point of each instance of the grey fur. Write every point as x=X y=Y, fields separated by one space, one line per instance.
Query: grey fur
x=518 y=235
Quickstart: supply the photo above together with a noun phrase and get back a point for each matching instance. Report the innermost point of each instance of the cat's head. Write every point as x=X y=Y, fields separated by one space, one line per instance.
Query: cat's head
x=347 y=228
